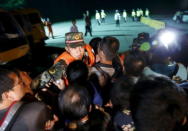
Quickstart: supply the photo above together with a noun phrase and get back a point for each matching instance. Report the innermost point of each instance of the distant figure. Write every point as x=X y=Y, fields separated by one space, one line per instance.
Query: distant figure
x=103 y=16
x=74 y=28
x=133 y=14
x=84 y=16
x=178 y=17
x=117 y=18
x=49 y=26
x=98 y=17
x=141 y=13
x=43 y=20
x=87 y=13
x=138 y=15
x=147 y=13
x=125 y=15
x=88 y=26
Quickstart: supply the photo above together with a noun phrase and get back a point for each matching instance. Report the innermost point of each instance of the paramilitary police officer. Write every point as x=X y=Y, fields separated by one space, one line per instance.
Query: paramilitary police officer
x=76 y=49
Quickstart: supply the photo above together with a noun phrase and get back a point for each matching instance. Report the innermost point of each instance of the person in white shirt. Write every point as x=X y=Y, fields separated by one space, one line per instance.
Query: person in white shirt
x=125 y=15
x=98 y=17
x=147 y=12
x=103 y=16
x=117 y=18
x=133 y=14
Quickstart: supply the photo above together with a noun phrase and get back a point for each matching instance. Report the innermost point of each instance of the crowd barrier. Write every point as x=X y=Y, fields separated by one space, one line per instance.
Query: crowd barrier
x=153 y=23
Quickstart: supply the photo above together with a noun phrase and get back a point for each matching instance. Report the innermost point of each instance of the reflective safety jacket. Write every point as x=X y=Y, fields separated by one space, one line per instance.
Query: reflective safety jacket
x=124 y=14
x=97 y=16
x=117 y=16
x=138 y=13
x=141 y=12
x=89 y=57
x=133 y=14
x=147 y=13
x=103 y=15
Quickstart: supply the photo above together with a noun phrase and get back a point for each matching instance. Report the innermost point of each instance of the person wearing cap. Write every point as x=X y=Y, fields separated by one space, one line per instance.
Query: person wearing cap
x=76 y=49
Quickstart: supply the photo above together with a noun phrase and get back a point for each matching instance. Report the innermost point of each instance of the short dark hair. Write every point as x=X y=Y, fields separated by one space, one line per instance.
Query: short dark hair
x=157 y=104
x=134 y=64
x=6 y=83
x=110 y=46
x=98 y=120
x=120 y=94
x=77 y=72
x=74 y=102
x=74 y=20
x=94 y=43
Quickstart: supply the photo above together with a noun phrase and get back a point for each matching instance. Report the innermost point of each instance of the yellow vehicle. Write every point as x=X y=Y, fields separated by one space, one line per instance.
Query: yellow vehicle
x=13 y=42
x=31 y=24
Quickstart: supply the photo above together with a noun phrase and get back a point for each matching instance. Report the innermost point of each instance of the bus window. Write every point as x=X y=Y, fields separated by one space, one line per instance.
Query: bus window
x=7 y=23
x=10 y=36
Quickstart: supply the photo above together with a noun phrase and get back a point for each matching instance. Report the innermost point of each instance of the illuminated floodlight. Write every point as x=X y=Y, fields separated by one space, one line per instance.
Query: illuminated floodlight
x=167 y=38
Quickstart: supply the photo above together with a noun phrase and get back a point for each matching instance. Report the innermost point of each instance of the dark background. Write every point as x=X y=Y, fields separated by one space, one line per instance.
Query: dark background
x=59 y=10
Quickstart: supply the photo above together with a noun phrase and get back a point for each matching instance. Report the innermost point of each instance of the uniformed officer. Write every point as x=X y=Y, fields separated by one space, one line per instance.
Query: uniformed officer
x=76 y=49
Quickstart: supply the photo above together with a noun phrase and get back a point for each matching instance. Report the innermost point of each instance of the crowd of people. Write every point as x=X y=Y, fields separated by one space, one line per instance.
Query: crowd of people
x=100 y=18
x=91 y=87
x=135 y=15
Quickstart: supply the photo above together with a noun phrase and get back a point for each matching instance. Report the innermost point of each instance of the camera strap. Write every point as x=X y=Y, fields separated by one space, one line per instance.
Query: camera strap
x=10 y=115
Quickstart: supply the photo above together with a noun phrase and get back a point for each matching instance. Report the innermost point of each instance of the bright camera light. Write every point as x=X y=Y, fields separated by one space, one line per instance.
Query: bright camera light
x=167 y=38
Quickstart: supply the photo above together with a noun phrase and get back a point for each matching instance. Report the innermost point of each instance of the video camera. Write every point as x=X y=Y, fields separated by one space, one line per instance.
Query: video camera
x=56 y=72
x=141 y=38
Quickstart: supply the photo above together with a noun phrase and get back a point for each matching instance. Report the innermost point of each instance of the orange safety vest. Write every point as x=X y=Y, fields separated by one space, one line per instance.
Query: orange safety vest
x=68 y=58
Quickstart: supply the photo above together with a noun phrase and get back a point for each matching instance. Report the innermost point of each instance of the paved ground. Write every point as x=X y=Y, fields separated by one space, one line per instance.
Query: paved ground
x=171 y=24
x=125 y=33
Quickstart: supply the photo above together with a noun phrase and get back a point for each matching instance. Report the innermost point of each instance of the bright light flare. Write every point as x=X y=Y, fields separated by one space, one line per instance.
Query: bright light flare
x=167 y=38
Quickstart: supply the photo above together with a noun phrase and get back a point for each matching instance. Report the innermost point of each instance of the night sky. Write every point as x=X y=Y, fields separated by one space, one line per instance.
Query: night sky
x=59 y=10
